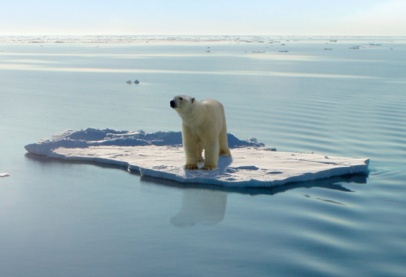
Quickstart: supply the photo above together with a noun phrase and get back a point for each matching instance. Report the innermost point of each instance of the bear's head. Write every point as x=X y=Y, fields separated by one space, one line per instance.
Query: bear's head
x=182 y=103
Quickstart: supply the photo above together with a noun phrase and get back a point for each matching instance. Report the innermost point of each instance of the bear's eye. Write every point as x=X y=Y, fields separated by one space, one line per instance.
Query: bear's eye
x=180 y=98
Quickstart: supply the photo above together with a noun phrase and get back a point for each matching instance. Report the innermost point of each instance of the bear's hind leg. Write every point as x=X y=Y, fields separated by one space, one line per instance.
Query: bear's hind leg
x=224 y=150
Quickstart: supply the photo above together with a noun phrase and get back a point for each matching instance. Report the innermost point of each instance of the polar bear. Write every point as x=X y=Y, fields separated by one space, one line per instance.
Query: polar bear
x=203 y=128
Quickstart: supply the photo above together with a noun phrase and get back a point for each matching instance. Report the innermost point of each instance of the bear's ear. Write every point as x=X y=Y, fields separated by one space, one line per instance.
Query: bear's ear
x=193 y=100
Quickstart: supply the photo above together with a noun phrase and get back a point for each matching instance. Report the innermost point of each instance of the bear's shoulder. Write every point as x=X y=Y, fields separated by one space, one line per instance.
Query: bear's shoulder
x=210 y=102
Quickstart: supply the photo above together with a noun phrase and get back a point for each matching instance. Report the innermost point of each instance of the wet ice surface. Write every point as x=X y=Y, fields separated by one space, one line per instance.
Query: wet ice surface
x=161 y=155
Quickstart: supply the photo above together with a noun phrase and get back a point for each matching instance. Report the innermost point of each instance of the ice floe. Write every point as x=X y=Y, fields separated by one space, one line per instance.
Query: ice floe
x=161 y=155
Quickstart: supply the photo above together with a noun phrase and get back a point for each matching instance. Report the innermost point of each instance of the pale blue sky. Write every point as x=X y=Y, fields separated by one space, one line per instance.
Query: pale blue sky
x=208 y=17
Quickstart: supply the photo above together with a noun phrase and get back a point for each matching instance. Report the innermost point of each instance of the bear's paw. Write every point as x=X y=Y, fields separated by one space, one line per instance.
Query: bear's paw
x=191 y=167
x=208 y=167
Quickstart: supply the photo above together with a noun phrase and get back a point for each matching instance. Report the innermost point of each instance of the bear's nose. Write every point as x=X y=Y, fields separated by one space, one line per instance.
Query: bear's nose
x=173 y=104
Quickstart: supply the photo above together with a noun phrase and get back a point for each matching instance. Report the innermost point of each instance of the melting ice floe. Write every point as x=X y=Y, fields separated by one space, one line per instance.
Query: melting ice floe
x=161 y=155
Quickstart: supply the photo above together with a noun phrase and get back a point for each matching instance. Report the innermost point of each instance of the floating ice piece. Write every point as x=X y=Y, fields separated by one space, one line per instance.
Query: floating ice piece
x=97 y=137
x=4 y=174
x=161 y=155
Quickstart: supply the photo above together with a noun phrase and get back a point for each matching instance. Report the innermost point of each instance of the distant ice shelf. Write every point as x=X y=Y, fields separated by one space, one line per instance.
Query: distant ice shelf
x=161 y=155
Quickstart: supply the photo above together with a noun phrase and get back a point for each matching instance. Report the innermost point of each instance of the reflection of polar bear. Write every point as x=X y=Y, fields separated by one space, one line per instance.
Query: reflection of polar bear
x=204 y=128
x=201 y=206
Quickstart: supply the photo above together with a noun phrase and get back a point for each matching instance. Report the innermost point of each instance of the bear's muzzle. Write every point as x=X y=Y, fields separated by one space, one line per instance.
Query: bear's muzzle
x=173 y=104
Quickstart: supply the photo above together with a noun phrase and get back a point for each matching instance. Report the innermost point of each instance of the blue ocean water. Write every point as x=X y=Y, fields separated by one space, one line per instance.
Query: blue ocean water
x=339 y=98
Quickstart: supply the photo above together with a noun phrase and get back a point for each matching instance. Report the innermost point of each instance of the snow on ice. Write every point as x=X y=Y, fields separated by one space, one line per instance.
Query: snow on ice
x=161 y=155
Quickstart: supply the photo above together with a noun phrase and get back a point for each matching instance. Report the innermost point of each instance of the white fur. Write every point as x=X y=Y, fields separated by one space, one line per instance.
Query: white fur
x=204 y=128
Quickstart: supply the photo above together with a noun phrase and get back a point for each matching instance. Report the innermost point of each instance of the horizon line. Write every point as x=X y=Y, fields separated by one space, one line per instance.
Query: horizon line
x=196 y=35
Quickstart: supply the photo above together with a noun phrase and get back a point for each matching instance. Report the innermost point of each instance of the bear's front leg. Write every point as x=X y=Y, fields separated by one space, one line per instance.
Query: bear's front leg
x=192 y=159
x=211 y=155
x=191 y=147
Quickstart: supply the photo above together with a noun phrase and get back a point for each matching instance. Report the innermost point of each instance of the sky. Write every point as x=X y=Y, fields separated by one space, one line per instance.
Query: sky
x=208 y=17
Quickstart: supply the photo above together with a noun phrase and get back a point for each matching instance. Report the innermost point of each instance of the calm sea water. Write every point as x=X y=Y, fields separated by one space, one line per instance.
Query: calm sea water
x=72 y=219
